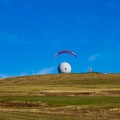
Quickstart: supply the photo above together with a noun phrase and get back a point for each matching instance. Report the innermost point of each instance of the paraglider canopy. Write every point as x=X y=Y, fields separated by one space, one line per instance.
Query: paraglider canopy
x=65 y=51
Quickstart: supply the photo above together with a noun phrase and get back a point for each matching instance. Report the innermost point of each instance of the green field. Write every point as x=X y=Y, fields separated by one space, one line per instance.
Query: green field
x=61 y=97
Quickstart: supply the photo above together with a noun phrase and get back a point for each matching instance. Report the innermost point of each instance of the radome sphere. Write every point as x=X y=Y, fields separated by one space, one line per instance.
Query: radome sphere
x=64 y=67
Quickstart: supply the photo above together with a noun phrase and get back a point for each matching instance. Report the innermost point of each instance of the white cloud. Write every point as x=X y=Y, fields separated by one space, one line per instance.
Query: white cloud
x=107 y=53
x=94 y=57
x=46 y=70
x=23 y=74
x=42 y=71
x=113 y=5
x=92 y=18
x=87 y=19
x=11 y=38
x=3 y=75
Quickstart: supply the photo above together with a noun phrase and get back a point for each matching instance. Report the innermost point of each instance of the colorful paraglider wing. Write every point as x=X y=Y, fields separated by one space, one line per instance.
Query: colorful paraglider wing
x=65 y=51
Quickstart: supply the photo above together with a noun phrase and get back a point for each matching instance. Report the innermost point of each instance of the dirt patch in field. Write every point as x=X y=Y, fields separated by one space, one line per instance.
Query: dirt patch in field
x=12 y=104
x=65 y=93
x=100 y=93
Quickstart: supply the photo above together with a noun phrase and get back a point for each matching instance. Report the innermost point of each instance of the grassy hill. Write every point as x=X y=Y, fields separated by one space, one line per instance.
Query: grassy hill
x=61 y=96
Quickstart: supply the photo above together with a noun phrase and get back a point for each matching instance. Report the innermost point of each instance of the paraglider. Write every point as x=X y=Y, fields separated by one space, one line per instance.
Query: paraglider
x=65 y=51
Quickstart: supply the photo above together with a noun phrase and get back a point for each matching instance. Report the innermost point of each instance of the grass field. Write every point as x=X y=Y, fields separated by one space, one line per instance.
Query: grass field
x=61 y=97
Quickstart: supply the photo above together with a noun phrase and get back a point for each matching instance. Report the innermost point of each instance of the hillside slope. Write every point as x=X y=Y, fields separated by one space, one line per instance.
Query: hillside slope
x=61 y=96
x=64 y=79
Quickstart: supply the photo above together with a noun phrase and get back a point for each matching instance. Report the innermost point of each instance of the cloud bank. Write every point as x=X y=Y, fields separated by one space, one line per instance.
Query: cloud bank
x=94 y=57
x=11 y=38
x=46 y=70
x=3 y=75
x=107 y=53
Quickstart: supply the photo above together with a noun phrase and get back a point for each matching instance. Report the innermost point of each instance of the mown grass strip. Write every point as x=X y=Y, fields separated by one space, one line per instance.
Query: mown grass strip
x=68 y=100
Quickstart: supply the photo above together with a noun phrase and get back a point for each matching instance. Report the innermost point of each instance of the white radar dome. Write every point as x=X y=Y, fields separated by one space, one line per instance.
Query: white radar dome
x=64 y=67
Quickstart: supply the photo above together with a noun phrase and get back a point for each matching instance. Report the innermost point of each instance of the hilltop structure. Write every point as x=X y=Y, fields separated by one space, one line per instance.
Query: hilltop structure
x=64 y=67
x=89 y=70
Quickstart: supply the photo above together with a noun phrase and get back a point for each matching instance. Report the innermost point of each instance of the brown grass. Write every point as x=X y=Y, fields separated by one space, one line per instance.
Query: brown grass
x=86 y=85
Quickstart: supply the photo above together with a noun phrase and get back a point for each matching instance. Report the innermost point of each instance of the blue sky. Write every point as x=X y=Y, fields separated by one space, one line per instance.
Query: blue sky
x=32 y=31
